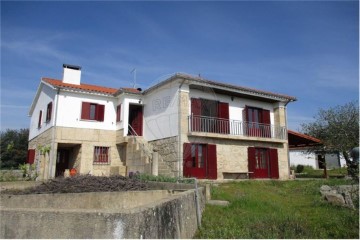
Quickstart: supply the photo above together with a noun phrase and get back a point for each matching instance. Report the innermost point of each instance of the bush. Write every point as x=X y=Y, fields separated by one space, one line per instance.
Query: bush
x=299 y=168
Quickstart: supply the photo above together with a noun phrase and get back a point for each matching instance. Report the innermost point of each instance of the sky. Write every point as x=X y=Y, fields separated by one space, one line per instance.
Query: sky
x=306 y=49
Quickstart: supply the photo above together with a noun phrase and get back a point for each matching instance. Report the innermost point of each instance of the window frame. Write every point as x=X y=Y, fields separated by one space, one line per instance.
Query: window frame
x=118 y=113
x=40 y=119
x=98 y=114
x=49 y=112
x=105 y=158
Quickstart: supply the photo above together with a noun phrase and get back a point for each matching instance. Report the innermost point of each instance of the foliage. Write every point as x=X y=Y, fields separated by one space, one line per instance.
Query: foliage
x=277 y=209
x=299 y=168
x=14 y=145
x=338 y=129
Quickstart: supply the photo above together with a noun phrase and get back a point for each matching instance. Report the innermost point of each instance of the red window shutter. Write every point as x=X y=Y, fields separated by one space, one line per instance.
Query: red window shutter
x=196 y=112
x=187 y=159
x=49 y=112
x=274 y=165
x=85 y=110
x=223 y=113
x=245 y=114
x=100 y=110
x=30 y=156
x=40 y=117
x=118 y=113
x=266 y=116
x=251 y=161
x=211 y=161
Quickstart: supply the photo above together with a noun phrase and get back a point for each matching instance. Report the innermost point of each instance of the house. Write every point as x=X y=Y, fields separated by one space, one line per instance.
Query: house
x=184 y=126
x=299 y=144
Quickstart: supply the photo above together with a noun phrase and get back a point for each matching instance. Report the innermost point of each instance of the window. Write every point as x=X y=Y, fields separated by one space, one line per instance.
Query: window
x=92 y=111
x=101 y=155
x=40 y=118
x=210 y=116
x=48 y=112
x=118 y=113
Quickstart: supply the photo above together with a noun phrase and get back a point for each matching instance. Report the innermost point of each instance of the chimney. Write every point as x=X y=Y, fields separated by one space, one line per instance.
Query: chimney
x=72 y=74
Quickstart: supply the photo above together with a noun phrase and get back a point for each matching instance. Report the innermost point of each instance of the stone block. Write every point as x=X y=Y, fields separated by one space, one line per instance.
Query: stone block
x=334 y=198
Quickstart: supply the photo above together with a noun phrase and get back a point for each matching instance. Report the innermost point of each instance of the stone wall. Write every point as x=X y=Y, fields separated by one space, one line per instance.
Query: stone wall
x=168 y=153
x=167 y=216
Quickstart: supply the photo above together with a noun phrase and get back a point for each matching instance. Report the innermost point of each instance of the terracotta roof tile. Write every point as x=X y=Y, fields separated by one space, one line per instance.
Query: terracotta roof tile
x=304 y=136
x=82 y=86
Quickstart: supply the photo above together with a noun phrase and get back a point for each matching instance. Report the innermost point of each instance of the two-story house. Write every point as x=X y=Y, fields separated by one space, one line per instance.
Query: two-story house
x=184 y=126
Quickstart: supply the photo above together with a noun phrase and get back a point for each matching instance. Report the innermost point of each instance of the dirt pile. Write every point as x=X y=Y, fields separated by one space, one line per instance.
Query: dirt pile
x=84 y=183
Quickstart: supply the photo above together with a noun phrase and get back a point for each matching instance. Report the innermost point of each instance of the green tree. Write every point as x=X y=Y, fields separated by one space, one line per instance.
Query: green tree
x=14 y=145
x=338 y=129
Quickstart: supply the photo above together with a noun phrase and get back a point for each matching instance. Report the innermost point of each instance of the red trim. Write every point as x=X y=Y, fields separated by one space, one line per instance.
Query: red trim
x=274 y=165
x=223 y=113
x=30 y=156
x=316 y=140
x=251 y=161
x=211 y=161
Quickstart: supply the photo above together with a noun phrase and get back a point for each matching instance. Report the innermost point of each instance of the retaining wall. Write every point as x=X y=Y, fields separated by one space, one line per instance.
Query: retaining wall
x=148 y=214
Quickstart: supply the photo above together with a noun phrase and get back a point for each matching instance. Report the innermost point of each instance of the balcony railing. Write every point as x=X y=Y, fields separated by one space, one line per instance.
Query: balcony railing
x=235 y=127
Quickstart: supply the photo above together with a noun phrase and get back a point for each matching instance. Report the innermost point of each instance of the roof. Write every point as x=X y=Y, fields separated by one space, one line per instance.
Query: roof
x=300 y=140
x=227 y=87
x=86 y=87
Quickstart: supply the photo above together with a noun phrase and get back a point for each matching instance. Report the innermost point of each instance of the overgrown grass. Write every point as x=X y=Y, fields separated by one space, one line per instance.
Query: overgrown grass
x=161 y=178
x=277 y=209
x=309 y=172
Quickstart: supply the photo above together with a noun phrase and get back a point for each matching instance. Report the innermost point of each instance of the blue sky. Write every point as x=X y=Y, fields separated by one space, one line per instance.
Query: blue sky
x=305 y=49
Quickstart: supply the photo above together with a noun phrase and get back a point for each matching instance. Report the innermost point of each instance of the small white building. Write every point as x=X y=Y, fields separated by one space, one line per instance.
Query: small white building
x=184 y=126
x=299 y=155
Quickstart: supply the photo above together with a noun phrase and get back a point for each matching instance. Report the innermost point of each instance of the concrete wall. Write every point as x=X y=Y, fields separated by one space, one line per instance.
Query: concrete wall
x=172 y=216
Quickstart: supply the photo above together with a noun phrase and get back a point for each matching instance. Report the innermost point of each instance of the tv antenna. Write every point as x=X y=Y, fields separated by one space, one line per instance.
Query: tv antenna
x=134 y=73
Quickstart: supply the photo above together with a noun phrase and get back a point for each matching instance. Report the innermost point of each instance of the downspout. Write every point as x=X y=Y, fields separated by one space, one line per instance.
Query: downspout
x=179 y=129
x=53 y=135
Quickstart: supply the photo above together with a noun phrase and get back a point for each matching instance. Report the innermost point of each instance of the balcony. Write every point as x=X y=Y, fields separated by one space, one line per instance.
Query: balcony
x=235 y=128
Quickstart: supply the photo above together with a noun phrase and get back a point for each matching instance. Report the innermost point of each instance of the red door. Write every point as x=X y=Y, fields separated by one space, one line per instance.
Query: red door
x=136 y=119
x=200 y=161
x=259 y=162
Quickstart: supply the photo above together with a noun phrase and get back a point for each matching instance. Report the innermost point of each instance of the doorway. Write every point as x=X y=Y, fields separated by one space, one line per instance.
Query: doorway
x=135 y=119
x=62 y=162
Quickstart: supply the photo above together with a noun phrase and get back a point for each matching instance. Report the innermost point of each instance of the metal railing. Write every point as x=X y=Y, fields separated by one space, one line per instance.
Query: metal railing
x=235 y=127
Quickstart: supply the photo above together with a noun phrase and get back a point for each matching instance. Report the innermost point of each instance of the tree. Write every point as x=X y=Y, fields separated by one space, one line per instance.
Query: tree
x=338 y=129
x=14 y=145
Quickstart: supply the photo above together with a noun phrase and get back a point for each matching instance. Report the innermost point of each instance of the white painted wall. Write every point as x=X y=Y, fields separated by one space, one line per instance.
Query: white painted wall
x=47 y=95
x=69 y=111
x=303 y=158
x=161 y=112
x=125 y=101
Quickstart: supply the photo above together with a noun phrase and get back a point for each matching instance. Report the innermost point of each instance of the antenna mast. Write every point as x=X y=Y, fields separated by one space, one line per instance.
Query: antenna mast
x=134 y=72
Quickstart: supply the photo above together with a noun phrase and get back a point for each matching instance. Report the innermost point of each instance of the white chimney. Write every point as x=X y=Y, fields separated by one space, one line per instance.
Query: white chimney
x=72 y=74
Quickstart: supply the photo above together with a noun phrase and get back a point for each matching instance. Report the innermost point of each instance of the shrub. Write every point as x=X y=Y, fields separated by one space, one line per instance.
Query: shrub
x=299 y=168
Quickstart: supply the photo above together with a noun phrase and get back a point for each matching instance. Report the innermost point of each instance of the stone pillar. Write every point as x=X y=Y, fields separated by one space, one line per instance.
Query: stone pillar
x=155 y=163
x=279 y=115
x=184 y=125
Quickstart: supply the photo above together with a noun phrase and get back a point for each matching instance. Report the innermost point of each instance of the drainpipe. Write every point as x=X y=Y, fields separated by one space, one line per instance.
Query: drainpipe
x=179 y=129
x=53 y=135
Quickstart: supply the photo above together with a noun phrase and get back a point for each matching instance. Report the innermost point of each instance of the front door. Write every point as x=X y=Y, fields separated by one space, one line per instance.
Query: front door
x=195 y=163
x=135 y=119
x=259 y=163
x=62 y=162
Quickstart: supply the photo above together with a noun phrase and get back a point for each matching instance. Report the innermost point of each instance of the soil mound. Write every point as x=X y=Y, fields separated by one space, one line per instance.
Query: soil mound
x=84 y=183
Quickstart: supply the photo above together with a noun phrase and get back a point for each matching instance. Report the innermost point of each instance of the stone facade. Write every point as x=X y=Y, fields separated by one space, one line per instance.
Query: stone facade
x=168 y=152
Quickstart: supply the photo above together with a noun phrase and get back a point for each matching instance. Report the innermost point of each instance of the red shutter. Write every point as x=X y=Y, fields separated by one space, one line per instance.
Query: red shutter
x=40 y=116
x=274 y=165
x=85 y=110
x=251 y=161
x=266 y=121
x=30 y=156
x=245 y=124
x=196 y=112
x=118 y=113
x=100 y=110
x=49 y=111
x=186 y=159
x=211 y=161
x=223 y=113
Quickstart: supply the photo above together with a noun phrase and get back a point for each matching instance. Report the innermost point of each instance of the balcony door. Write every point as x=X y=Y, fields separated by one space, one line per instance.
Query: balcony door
x=263 y=162
x=257 y=122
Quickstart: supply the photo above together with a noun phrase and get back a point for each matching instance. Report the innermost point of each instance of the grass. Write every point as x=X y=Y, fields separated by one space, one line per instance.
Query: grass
x=277 y=209
x=309 y=172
